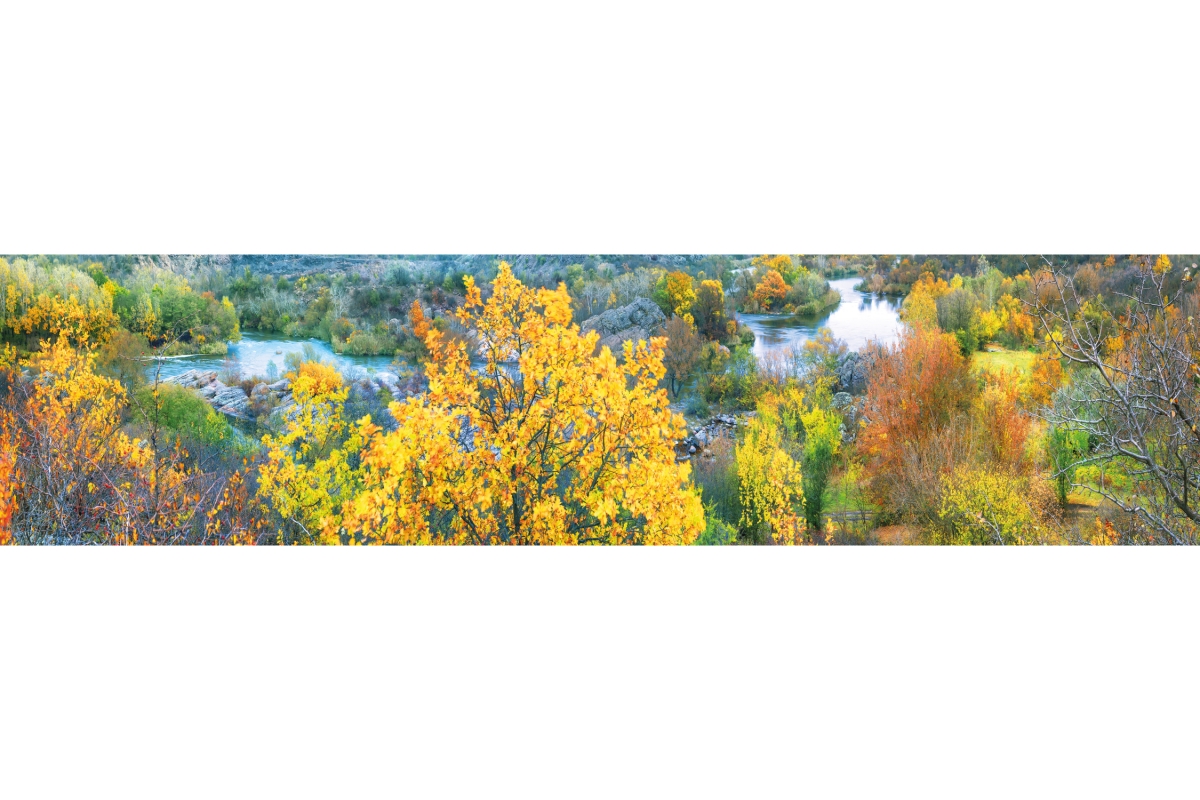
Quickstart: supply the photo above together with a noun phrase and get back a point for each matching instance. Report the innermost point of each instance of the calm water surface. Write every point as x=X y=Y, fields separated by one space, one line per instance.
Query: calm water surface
x=860 y=318
x=256 y=352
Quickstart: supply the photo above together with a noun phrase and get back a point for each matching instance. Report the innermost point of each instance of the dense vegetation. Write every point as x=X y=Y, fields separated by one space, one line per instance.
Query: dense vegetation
x=1028 y=400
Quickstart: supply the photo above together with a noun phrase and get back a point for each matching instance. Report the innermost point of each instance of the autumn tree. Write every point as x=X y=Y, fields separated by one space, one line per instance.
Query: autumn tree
x=770 y=484
x=544 y=443
x=311 y=468
x=770 y=290
x=682 y=351
x=416 y=317
x=918 y=397
x=709 y=310
x=1002 y=425
x=783 y=264
x=920 y=308
x=73 y=475
x=676 y=294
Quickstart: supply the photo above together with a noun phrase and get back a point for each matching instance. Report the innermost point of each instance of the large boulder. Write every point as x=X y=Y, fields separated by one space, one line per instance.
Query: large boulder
x=232 y=400
x=641 y=313
x=851 y=373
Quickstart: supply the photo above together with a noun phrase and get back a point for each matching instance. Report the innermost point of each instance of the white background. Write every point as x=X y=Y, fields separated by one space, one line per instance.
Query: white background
x=618 y=127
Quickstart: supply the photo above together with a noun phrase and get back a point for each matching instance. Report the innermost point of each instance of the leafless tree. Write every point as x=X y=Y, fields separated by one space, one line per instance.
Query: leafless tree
x=1134 y=390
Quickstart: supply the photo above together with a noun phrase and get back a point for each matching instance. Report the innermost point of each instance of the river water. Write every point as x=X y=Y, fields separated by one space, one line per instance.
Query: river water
x=860 y=318
x=256 y=352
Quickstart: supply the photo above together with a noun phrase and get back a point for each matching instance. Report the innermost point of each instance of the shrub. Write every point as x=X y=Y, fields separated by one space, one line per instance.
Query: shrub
x=984 y=506
x=718 y=482
x=697 y=406
x=1065 y=448
x=716 y=531
x=918 y=398
x=180 y=411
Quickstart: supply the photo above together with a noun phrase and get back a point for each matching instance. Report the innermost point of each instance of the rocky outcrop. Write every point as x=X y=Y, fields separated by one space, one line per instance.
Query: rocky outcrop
x=641 y=319
x=641 y=313
x=231 y=400
x=850 y=408
x=851 y=373
x=274 y=399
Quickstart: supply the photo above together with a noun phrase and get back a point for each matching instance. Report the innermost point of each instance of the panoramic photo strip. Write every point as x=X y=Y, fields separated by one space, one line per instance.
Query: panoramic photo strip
x=753 y=399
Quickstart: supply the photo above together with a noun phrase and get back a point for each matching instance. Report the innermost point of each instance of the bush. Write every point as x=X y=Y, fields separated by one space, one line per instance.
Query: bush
x=1065 y=448
x=182 y=412
x=697 y=406
x=716 y=531
x=718 y=482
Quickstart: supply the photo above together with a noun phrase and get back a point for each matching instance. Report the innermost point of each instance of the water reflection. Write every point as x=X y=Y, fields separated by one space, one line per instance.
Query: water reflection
x=860 y=318
x=256 y=353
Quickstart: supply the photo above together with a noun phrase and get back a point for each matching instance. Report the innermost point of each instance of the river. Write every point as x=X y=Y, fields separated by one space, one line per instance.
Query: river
x=256 y=352
x=858 y=319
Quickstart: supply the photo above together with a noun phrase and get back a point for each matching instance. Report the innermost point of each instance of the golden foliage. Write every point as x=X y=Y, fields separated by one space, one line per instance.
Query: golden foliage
x=416 y=316
x=986 y=506
x=920 y=307
x=545 y=443
x=680 y=294
x=85 y=480
x=770 y=485
x=308 y=474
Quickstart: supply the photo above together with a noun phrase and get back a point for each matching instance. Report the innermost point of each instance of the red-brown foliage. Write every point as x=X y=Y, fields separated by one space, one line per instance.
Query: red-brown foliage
x=919 y=394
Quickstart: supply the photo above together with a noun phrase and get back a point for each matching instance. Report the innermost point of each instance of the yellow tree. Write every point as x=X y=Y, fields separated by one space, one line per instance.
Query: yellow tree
x=308 y=473
x=69 y=474
x=680 y=294
x=545 y=443
x=920 y=307
x=770 y=485
x=783 y=264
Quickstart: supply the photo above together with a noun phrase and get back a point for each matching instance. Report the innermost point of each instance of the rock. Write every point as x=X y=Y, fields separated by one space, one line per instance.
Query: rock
x=841 y=400
x=641 y=313
x=702 y=436
x=193 y=378
x=851 y=373
x=616 y=342
x=691 y=449
x=232 y=400
x=281 y=386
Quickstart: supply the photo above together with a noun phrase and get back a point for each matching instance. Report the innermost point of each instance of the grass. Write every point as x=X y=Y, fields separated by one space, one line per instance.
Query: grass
x=841 y=495
x=845 y=492
x=1020 y=360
